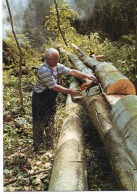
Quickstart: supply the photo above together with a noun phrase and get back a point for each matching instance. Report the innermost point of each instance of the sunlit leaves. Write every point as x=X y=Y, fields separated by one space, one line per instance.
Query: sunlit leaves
x=66 y=13
x=121 y=53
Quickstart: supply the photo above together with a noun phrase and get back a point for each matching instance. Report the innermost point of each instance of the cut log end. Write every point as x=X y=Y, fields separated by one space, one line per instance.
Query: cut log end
x=122 y=86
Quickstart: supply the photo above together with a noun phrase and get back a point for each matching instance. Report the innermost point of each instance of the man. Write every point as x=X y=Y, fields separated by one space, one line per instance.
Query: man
x=44 y=97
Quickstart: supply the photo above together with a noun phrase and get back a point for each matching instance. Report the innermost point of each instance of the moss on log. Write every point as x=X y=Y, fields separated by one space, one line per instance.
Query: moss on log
x=70 y=171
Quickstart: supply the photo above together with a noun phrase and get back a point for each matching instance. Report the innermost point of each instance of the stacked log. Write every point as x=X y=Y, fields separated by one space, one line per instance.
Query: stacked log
x=118 y=134
x=70 y=171
x=118 y=131
x=112 y=81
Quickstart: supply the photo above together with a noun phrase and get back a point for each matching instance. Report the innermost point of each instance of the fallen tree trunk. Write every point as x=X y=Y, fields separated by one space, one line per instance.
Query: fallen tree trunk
x=119 y=135
x=69 y=171
x=124 y=118
x=99 y=112
x=90 y=62
x=119 y=143
x=112 y=81
x=123 y=138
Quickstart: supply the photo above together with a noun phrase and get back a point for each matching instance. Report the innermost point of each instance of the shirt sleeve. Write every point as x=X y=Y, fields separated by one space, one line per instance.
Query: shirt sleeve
x=63 y=70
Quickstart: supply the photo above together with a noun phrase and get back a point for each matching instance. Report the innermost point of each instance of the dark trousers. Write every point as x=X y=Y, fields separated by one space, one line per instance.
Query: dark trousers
x=43 y=112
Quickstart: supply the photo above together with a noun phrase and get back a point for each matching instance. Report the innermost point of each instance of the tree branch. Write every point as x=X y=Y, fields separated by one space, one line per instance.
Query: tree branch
x=59 y=23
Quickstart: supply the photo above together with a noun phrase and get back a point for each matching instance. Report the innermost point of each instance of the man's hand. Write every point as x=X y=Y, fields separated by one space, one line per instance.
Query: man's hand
x=91 y=77
x=74 y=92
x=61 y=89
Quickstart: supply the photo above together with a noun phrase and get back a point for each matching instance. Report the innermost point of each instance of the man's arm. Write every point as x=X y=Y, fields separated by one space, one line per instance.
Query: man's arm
x=79 y=74
x=61 y=89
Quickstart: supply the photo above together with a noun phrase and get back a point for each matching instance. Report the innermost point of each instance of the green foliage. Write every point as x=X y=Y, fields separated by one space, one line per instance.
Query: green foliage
x=66 y=14
x=19 y=158
x=115 y=18
x=121 y=53
x=11 y=52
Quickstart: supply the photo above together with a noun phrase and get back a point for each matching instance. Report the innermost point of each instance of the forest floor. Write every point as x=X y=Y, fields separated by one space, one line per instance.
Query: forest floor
x=25 y=170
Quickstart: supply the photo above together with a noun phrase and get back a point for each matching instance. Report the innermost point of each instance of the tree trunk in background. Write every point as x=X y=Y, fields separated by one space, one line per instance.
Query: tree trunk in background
x=136 y=42
x=21 y=56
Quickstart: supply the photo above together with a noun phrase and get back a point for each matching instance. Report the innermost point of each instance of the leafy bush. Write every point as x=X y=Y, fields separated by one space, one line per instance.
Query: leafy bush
x=11 y=53
x=121 y=53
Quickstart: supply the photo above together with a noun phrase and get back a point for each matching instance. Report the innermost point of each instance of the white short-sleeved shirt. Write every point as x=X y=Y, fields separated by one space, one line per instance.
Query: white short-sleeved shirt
x=48 y=77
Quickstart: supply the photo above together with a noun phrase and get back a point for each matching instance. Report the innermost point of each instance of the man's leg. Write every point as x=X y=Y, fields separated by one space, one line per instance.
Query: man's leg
x=51 y=139
x=39 y=123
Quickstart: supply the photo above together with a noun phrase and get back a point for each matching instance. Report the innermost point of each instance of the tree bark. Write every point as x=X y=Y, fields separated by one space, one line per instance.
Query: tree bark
x=21 y=56
x=69 y=171
x=136 y=41
x=121 y=141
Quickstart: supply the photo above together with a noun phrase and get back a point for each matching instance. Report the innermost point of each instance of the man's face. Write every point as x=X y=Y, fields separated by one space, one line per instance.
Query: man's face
x=53 y=61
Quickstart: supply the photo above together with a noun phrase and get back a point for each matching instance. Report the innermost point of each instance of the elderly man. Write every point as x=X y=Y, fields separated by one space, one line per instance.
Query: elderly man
x=44 y=97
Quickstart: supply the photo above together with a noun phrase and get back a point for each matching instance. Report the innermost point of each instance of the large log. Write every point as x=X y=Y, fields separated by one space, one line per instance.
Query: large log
x=99 y=112
x=124 y=118
x=112 y=81
x=119 y=145
x=123 y=141
x=119 y=135
x=90 y=62
x=69 y=170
